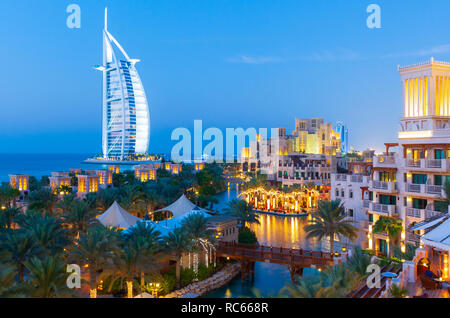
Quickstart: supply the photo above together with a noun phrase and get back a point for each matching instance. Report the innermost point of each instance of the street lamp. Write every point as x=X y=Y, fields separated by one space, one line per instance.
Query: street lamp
x=154 y=287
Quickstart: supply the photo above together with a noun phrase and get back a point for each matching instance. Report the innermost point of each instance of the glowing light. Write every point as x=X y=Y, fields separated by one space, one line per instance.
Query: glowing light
x=415 y=134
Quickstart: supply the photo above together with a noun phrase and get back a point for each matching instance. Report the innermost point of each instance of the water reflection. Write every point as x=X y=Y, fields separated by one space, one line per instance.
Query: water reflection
x=283 y=231
x=272 y=231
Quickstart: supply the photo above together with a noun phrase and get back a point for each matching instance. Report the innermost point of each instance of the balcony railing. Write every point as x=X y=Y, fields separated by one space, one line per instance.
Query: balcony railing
x=434 y=189
x=341 y=177
x=413 y=163
x=356 y=178
x=384 y=160
x=422 y=214
x=413 y=188
x=412 y=237
x=366 y=204
x=384 y=208
x=382 y=185
x=434 y=163
x=414 y=213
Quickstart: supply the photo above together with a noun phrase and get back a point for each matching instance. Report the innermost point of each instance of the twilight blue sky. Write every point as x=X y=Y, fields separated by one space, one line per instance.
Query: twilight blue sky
x=231 y=63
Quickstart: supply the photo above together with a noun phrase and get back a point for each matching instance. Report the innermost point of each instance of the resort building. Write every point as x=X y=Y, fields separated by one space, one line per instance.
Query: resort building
x=297 y=201
x=87 y=183
x=308 y=156
x=76 y=171
x=225 y=227
x=105 y=177
x=302 y=169
x=20 y=182
x=409 y=184
x=114 y=168
x=352 y=190
x=126 y=117
x=56 y=181
x=173 y=168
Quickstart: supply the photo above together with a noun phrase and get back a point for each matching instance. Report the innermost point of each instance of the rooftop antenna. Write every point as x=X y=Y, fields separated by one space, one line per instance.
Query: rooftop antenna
x=106 y=18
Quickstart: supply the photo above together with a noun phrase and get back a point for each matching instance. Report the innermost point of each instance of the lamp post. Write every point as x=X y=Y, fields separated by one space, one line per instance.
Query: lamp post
x=154 y=287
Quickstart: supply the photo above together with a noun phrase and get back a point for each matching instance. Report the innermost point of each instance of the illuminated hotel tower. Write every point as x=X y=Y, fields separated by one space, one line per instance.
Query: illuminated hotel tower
x=126 y=117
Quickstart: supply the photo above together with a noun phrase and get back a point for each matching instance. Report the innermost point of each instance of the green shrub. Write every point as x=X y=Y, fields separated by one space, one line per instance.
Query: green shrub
x=247 y=236
x=187 y=276
x=204 y=271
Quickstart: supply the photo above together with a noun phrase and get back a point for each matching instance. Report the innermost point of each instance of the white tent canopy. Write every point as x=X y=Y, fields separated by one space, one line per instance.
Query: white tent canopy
x=439 y=237
x=181 y=207
x=116 y=216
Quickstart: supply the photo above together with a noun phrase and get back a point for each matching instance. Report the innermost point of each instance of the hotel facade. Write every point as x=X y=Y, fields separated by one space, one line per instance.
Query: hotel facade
x=308 y=156
x=407 y=184
x=125 y=115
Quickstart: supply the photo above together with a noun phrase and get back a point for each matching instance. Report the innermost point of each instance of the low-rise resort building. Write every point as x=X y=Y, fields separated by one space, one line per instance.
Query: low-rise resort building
x=408 y=185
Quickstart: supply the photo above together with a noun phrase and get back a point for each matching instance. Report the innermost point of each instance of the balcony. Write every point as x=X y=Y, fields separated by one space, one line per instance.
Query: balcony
x=422 y=214
x=341 y=177
x=384 y=161
x=384 y=186
x=411 y=237
x=434 y=190
x=383 y=209
x=428 y=164
x=356 y=178
x=366 y=204
x=415 y=188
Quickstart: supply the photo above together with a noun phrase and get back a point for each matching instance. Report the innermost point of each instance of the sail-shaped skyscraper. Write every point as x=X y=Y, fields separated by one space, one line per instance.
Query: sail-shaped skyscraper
x=126 y=116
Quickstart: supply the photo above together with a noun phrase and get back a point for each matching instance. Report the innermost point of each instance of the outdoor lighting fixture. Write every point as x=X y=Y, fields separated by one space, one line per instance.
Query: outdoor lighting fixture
x=336 y=254
x=344 y=249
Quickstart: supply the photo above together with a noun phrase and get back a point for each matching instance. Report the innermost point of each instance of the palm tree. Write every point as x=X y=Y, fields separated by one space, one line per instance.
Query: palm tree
x=48 y=234
x=94 y=248
x=80 y=215
x=308 y=287
x=104 y=198
x=43 y=199
x=329 y=220
x=48 y=277
x=359 y=261
x=396 y=291
x=125 y=266
x=178 y=242
x=196 y=225
x=18 y=248
x=10 y=215
x=242 y=210
x=392 y=227
x=147 y=238
x=65 y=189
x=8 y=195
x=64 y=205
x=8 y=287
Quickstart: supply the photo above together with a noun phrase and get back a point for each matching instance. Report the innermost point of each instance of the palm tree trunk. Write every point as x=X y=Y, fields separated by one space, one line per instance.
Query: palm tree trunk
x=142 y=281
x=129 y=289
x=21 y=269
x=92 y=282
x=332 y=243
x=178 y=272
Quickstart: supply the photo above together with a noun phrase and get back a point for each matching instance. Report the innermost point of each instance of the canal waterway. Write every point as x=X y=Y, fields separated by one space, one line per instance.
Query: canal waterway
x=274 y=231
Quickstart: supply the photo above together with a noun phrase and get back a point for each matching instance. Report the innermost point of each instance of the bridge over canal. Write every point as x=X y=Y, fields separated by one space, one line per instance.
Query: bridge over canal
x=295 y=259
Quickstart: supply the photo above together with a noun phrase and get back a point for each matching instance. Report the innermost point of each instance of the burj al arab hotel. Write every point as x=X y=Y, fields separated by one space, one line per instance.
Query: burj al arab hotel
x=126 y=116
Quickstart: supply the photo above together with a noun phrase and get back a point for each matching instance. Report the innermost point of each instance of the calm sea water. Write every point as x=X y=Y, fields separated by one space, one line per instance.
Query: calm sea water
x=39 y=165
